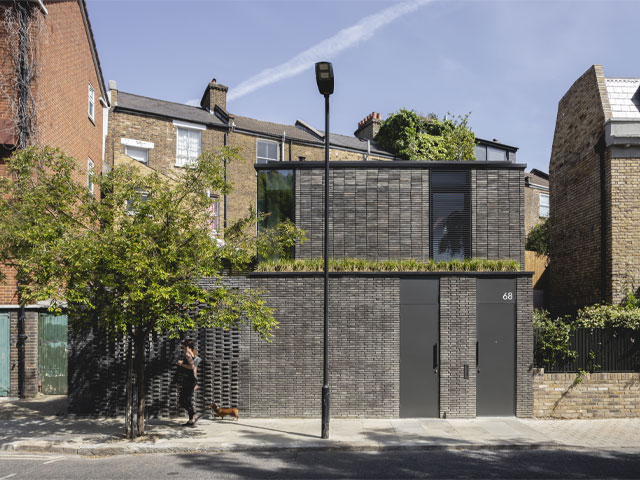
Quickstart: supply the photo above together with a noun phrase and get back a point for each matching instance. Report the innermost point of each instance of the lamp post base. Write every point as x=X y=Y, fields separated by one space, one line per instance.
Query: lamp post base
x=325 y=411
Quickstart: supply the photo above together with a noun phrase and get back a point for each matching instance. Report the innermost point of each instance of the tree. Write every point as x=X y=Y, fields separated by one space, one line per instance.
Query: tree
x=538 y=239
x=129 y=262
x=414 y=137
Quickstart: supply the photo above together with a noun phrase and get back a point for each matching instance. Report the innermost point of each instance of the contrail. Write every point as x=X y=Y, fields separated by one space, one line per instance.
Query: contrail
x=326 y=49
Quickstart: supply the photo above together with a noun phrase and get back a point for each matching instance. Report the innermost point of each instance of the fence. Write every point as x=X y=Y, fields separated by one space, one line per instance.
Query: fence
x=598 y=350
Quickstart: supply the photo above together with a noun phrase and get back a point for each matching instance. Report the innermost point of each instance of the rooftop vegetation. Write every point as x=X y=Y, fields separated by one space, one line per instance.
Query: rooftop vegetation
x=410 y=265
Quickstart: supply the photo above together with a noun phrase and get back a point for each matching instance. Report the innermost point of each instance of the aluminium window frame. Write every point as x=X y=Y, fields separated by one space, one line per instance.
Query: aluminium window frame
x=91 y=106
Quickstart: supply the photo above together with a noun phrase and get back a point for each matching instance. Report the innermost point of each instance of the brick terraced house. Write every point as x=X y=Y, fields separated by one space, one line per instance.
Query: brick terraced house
x=441 y=344
x=595 y=185
x=65 y=100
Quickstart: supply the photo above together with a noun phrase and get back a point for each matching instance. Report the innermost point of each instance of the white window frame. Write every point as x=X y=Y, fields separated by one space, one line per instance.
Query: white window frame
x=127 y=151
x=191 y=128
x=92 y=104
x=90 y=173
x=215 y=208
x=545 y=213
x=266 y=159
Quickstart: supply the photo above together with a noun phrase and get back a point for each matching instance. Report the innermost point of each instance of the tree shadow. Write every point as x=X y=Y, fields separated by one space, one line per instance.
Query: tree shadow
x=415 y=463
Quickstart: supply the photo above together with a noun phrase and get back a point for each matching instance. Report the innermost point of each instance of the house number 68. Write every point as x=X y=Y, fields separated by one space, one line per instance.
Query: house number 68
x=507 y=296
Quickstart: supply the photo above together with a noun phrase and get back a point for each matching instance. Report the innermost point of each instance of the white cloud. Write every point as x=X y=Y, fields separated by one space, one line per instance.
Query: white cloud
x=194 y=102
x=326 y=49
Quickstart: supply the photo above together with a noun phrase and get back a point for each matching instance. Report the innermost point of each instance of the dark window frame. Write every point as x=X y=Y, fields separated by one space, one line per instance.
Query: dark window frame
x=465 y=189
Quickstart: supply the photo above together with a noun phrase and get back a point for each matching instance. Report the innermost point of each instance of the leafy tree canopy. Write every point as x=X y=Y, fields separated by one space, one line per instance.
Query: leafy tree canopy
x=129 y=262
x=414 y=137
x=538 y=239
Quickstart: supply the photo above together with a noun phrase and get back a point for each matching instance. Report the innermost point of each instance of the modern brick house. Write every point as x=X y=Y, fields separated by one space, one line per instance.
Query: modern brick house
x=454 y=344
x=66 y=102
x=595 y=202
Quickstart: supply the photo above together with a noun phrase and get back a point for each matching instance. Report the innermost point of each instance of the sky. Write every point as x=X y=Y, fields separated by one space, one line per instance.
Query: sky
x=507 y=62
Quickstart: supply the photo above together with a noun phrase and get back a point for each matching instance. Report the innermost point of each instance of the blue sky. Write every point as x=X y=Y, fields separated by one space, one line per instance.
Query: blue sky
x=506 y=62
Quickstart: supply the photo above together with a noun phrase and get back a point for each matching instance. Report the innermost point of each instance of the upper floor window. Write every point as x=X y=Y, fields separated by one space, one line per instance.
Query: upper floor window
x=90 y=173
x=214 y=209
x=450 y=215
x=92 y=103
x=189 y=146
x=137 y=153
x=266 y=151
x=544 y=205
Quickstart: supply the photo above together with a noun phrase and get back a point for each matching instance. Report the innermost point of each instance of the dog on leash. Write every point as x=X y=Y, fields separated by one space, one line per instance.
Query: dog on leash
x=223 y=412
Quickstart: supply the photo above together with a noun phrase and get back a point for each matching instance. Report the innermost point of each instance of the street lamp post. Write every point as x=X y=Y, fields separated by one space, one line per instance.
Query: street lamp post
x=324 y=79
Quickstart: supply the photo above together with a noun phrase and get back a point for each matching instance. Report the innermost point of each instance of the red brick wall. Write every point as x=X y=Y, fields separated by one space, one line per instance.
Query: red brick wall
x=67 y=70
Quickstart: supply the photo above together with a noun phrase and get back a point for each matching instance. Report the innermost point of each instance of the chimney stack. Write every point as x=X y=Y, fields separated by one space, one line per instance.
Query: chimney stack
x=113 y=92
x=368 y=127
x=214 y=94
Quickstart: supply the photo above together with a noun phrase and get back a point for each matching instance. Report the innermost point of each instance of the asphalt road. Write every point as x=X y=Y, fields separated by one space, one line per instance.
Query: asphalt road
x=397 y=464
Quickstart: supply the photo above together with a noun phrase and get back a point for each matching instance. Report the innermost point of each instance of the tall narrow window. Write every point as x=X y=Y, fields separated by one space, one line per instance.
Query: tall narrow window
x=214 y=209
x=92 y=103
x=189 y=146
x=450 y=215
x=267 y=151
x=275 y=198
x=544 y=205
x=90 y=173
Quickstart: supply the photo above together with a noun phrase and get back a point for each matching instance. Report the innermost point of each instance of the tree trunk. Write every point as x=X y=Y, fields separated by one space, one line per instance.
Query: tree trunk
x=139 y=366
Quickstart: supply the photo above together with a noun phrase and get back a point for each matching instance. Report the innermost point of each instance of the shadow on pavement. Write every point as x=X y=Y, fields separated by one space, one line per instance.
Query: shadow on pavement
x=409 y=463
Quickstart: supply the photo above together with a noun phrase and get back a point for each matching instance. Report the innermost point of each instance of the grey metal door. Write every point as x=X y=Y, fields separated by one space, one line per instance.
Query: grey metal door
x=4 y=355
x=419 y=347
x=495 y=350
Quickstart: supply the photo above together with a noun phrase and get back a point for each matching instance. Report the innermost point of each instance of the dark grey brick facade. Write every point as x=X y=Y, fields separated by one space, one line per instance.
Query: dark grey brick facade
x=376 y=213
x=497 y=214
x=457 y=347
x=284 y=377
x=524 y=348
x=382 y=212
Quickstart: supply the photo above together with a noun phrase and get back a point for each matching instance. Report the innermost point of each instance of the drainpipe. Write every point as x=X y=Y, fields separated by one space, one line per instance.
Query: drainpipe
x=224 y=207
x=600 y=149
x=284 y=137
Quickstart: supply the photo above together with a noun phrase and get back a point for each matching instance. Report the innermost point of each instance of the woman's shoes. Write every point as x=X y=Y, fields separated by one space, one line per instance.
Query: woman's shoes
x=189 y=424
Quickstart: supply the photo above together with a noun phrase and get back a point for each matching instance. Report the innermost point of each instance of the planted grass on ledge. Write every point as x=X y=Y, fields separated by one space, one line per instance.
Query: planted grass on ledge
x=410 y=265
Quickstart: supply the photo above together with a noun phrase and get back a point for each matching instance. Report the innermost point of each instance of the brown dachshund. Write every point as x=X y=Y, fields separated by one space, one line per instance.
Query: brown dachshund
x=223 y=412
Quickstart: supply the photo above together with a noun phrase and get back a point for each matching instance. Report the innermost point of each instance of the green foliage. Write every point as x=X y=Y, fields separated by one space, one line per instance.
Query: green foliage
x=626 y=315
x=538 y=239
x=410 y=265
x=552 y=338
x=414 y=137
x=132 y=270
x=129 y=262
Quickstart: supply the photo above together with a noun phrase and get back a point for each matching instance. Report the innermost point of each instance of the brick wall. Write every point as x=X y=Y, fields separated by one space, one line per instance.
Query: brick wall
x=497 y=214
x=574 y=171
x=597 y=395
x=524 y=347
x=364 y=354
x=624 y=247
x=31 y=354
x=376 y=213
x=284 y=378
x=383 y=213
x=457 y=347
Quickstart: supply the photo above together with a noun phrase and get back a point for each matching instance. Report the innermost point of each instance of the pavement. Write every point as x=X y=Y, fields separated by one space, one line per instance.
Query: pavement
x=41 y=425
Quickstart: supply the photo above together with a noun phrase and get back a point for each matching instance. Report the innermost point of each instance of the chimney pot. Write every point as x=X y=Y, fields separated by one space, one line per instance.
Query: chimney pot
x=368 y=127
x=213 y=80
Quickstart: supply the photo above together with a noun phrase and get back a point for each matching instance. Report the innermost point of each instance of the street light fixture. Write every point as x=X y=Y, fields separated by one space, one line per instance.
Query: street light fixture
x=324 y=79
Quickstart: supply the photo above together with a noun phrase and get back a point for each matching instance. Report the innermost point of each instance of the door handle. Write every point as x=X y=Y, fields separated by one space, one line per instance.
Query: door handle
x=435 y=357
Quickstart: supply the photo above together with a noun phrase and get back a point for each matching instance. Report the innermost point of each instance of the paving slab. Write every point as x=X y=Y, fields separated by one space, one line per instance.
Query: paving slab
x=43 y=427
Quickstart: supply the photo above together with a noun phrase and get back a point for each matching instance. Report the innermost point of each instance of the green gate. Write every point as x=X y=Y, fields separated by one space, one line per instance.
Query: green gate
x=4 y=355
x=52 y=353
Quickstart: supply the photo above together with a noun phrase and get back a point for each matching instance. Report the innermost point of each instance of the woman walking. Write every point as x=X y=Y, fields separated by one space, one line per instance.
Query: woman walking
x=189 y=380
